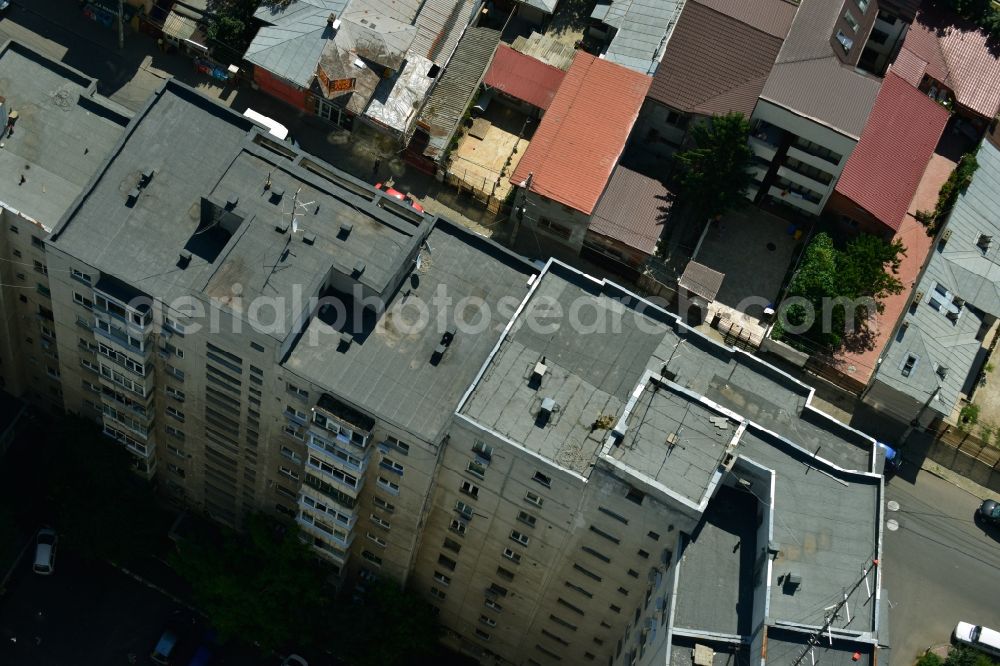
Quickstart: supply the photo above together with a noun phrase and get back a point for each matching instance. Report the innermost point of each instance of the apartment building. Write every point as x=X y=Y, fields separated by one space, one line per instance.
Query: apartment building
x=62 y=132
x=263 y=332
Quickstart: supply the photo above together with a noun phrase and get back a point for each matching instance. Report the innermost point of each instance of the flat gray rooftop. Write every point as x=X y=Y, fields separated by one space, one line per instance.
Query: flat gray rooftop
x=826 y=529
x=387 y=369
x=726 y=654
x=676 y=440
x=784 y=647
x=203 y=156
x=64 y=133
x=715 y=588
x=594 y=367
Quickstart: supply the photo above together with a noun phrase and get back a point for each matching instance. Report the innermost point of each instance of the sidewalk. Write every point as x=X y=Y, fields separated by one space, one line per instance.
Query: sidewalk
x=957 y=480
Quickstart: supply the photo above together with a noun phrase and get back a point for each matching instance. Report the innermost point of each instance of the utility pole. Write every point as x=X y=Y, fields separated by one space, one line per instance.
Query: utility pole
x=815 y=638
x=121 y=24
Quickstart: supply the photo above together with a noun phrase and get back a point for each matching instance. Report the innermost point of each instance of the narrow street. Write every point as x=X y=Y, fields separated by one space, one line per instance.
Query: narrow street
x=940 y=566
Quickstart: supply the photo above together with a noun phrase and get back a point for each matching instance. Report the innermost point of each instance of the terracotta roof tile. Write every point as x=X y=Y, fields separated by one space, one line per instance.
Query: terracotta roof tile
x=582 y=135
x=523 y=77
x=883 y=172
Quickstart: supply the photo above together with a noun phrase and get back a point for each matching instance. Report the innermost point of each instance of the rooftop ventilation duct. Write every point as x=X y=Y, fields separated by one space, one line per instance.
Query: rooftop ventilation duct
x=147 y=177
x=232 y=201
x=345 y=341
x=281 y=227
x=438 y=353
x=133 y=197
x=538 y=373
x=184 y=260
x=359 y=268
x=309 y=239
x=345 y=230
x=449 y=335
x=276 y=194
x=546 y=411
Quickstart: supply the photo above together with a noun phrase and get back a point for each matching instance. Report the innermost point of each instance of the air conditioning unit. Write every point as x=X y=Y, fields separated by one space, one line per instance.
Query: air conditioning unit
x=945 y=235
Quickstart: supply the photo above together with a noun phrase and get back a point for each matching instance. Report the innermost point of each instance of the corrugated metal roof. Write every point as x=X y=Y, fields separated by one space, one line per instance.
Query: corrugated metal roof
x=959 y=55
x=632 y=209
x=292 y=42
x=439 y=27
x=545 y=48
x=809 y=79
x=697 y=76
x=397 y=100
x=643 y=28
x=885 y=168
x=773 y=17
x=582 y=135
x=523 y=77
x=960 y=267
x=454 y=90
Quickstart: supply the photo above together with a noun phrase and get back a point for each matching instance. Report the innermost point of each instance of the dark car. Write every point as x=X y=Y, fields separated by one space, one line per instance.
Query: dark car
x=989 y=511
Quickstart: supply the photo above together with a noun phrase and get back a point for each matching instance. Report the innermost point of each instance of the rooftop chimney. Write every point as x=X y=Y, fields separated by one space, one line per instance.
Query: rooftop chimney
x=345 y=230
x=184 y=260
x=147 y=177
x=232 y=201
x=359 y=268
x=133 y=196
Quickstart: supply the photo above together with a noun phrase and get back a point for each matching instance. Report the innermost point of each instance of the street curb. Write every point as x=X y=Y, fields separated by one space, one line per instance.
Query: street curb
x=957 y=480
x=153 y=586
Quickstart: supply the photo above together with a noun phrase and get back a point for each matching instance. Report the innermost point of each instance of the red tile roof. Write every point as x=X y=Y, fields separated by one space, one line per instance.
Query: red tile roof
x=883 y=172
x=523 y=77
x=959 y=55
x=632 y=210
x=583 y=133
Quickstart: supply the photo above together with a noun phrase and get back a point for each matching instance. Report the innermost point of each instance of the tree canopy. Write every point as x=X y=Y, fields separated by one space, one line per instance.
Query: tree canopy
x=834 y=292
x=715 y=173
x=984 y=13
x=230 y=26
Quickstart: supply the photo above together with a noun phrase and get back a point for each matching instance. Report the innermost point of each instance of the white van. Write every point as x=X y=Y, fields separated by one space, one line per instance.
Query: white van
x=273 y=127
x=981 y=638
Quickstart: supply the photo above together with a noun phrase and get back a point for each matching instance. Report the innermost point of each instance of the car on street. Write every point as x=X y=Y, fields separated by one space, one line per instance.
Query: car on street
x=989 y=511
x=45 y=552
x=982 y=638
x=294 y=660
x=165 y=646
x=396 y=194
x=4 y=4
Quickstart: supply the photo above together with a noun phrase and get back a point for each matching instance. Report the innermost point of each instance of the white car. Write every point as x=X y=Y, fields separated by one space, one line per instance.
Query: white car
x=979 y=637
x=4 y=4
x=45 y=552
x=294 y=660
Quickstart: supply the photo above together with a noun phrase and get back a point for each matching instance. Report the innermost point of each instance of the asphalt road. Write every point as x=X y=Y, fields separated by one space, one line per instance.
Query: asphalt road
x=940 y=566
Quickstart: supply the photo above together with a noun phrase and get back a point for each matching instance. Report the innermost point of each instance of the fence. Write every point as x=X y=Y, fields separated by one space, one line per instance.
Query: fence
x=965 y=454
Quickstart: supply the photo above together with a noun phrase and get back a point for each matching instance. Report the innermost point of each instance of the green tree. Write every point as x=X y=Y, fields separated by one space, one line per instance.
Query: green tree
x=231 y=27
x=388 y=625
x=715 y=174
x=835 y=292
x=262 y=584
x=103 y=511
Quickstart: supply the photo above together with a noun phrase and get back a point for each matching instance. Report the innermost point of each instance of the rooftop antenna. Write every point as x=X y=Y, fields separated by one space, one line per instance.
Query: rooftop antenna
x=295 y=205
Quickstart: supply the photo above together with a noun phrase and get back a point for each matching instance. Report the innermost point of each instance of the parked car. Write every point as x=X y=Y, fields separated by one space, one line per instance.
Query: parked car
x=396 y=194
x=45 y=551
x=4 y=4
x=165 y=646
x=982 y=638
x=294 y=660
x=989 y=511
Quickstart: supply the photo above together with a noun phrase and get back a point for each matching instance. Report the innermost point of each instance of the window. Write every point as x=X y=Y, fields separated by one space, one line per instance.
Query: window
x=17 y=253
x=526 y=518
x=469 y=489
x=616 y=609
x=20 y=276
x=909 y=363
x=381 y=522
x=452 y=545
x=601 y=556
x=653 y=535
x=851 y=21
x=487 y=620
x=845 y=41
x=506 y=574
x=549 y=634
x=482 y=450
x=565 y=604
x=608 y=512
x=554 y=228
x=622 y=590
x=447 y=562
x=371 y=557
x=391 y=465
x=633 y=573
x=293 y=413
x=512 y=555
x=80 y=275
x=542 y=479
x=175 y=393
x=14 y=229
x=382 y=504
x=402 y=447
x=561 y=622
x=256 y=347
x=863 y=6
x=520 y=538
x=377 y=540
x=464 y=509
x=289 y=472
x=482 y=635
x=492 y=605
x=636 y=496
x=388 y=485
x=497 y=589
x=577 y=588
x=602 y=533
x=438 y=594
x=476 y=470
x=300 y=393
x=37 y=243
x=176 y=413
x=458 y=527
x=598 y=641
x=177 y=451
x=175 y=469
x=81 y=300
x=534 y=499
x=588 y=573
x=441 y=578
x=40 y=267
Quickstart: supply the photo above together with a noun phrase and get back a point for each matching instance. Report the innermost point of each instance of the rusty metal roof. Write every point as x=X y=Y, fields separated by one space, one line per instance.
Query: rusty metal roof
x=523 y=77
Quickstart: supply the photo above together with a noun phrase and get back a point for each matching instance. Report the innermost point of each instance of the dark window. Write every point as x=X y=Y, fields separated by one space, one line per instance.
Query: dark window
x=636 y=496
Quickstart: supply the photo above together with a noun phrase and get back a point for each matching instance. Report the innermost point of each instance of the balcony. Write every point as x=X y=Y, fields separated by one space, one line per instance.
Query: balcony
x=808 y=182
x=805 y=148
x=812 y=160
x=318 y=527
x=765 y=139
x=335 y=455
x=341 y=516
x=346 y=482
x=796 y=199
